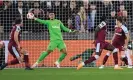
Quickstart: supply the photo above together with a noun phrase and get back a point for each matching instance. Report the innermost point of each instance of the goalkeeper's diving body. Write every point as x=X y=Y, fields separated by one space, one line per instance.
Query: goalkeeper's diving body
x=56 y=40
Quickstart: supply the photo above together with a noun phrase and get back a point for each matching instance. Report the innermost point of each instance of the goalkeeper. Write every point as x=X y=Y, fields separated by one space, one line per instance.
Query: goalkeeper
x=86 y=53
x=56 y=40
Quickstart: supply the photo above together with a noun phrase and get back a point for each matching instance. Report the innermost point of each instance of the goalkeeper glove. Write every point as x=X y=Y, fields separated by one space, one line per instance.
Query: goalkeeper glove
x=74 y=31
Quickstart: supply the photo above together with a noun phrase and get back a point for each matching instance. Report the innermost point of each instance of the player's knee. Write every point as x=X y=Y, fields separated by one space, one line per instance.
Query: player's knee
x=99 y=53
x=63 y=51
x=123 y=56
x=49 y=51
x=108 y=54
x=24 y=52
x=20 y=60
x=115 y=50
x=96 y=56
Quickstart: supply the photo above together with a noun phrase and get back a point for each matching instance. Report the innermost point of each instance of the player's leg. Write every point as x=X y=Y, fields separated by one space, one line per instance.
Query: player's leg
x=41 y=58
x=115 y=54
x=128 y=55
x=108 y=54
x=1 y=57
x=51 y=47
x=62 y=47
x=17 y=58
x=12 y=62
x=105 y=59
x=124 y=57
x=26 y=59
x=44 y=54
x=93 y=58
x=75 y=57
x=1 y=53
x=90 y=51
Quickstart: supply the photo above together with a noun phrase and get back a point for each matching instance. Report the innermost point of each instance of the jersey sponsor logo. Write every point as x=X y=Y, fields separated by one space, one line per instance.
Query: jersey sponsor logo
x=55 y=27
x=118 y=34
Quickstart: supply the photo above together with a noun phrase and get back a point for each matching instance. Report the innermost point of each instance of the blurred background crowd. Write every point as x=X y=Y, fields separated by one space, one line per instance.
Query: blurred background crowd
x=80 y=15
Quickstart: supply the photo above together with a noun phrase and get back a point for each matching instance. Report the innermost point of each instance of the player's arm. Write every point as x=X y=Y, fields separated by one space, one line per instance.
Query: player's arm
x=64 y=28
x=113 y=35
x=113 y=38
x=16 y=37
x=127 y=39
x=96 y=32
x=130 y=43
x=31 y=16
x=41 y=21
x=127 y=36
x=67 y=29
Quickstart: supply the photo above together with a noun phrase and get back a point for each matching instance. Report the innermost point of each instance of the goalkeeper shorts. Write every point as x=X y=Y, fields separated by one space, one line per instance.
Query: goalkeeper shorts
x=56 y=44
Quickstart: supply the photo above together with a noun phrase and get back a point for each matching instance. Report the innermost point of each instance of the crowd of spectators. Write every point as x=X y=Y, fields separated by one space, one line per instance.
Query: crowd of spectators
x=80 y=15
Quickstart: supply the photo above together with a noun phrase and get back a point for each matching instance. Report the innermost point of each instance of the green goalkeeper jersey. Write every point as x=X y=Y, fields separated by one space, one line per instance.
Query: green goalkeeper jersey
x=54 y=26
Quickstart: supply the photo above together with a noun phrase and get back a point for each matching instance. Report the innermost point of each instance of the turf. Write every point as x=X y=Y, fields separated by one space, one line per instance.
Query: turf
x=67 y=74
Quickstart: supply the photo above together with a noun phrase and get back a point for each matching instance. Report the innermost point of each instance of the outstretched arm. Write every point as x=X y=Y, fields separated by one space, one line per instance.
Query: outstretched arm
x=40 y=20
x=127 y=36
x=31 y=16
x=65 y=28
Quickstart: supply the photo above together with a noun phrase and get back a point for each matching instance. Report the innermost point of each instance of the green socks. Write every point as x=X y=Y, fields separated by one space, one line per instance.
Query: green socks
x=42 y=56
x=62 y=56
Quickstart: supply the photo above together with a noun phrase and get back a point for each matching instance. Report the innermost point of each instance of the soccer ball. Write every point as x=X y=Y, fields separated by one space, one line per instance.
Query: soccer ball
x=30 y=15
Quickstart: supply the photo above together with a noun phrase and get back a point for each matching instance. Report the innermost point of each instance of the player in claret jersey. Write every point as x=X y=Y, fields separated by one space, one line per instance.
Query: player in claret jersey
x=100 y=44
x=120 y=40
x=56 y=40
x=15 y=48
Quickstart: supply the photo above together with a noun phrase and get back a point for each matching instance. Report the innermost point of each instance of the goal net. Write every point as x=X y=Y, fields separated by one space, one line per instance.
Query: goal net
x=82 y=15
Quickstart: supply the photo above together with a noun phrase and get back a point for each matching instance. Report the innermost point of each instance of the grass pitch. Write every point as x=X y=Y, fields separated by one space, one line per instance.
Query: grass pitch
x=67 y=74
